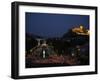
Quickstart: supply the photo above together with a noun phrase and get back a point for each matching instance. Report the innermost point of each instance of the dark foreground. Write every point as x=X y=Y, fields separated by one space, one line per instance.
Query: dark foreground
x=54 y=60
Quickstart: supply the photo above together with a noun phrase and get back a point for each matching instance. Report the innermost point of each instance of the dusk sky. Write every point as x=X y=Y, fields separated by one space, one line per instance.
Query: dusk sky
x=53 y=25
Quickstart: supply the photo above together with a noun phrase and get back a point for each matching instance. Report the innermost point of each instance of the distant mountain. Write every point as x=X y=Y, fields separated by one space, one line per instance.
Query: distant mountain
x=77 y=31
x=77 y=36
x=68 y=34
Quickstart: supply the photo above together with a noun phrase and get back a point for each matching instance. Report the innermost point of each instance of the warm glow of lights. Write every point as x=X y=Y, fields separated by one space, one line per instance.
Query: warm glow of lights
x=80 y=30
x=88 y=32
x=81 y=27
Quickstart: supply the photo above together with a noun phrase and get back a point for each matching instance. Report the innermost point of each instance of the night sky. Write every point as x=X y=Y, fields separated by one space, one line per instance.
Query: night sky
x=53 y=25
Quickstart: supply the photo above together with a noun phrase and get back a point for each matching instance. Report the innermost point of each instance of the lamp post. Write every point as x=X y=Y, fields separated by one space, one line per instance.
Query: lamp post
x=43 y=53
x=44 y=45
